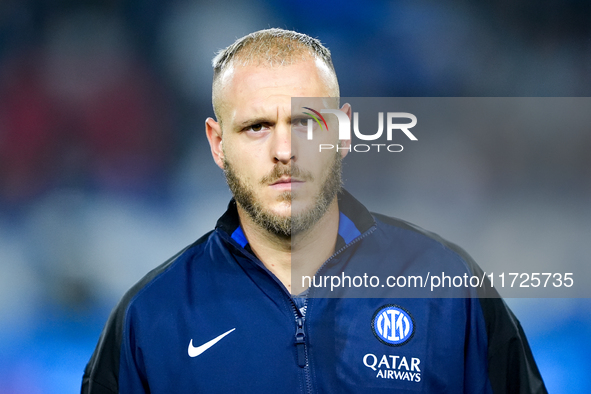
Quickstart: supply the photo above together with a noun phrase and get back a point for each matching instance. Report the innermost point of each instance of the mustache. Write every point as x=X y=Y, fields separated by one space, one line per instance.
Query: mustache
x=280 y=170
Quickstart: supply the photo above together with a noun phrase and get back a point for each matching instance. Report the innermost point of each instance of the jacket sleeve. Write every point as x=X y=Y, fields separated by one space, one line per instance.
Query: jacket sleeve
x=511 y=365
x=102 y=371
x=113 y=367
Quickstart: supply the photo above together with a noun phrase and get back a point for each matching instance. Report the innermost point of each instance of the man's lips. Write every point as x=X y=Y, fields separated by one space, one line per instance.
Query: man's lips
x=282 y=180
x=286 y=183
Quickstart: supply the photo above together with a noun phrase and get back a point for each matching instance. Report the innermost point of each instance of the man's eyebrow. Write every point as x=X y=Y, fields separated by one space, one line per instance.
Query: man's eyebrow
x=252 y=121
x=265 y=120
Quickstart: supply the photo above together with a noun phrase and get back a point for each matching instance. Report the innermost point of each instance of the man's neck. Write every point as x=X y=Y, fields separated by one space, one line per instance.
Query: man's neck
x=291 y=258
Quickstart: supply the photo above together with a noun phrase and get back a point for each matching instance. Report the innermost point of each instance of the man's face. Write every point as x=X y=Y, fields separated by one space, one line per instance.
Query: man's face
x=277 y=177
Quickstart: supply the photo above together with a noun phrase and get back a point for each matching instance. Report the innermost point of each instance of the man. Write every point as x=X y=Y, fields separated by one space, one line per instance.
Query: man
x=224 y=315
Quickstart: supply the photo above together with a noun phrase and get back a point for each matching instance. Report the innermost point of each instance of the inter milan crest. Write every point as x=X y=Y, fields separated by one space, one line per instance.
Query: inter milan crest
x=393 y=325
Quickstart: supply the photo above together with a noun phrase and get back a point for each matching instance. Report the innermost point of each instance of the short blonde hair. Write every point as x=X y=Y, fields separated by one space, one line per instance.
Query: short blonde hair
x=271 y=47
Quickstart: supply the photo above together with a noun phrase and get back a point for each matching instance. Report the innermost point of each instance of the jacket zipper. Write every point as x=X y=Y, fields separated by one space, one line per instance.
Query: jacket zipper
x=300 y=342
x=300 y=336
x=301 y=348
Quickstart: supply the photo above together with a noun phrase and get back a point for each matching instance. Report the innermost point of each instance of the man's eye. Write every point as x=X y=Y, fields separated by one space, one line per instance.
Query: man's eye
x=300 y=122
x=256 y=127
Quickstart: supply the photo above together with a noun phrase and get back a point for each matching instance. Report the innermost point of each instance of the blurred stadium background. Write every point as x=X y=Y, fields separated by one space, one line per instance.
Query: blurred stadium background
x=105 y=170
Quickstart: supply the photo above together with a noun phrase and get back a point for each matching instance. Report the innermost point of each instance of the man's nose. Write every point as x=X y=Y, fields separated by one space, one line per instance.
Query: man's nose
x=282 y=145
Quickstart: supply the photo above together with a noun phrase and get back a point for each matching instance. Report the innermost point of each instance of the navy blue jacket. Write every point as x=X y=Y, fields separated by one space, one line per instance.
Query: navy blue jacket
x=213 y=319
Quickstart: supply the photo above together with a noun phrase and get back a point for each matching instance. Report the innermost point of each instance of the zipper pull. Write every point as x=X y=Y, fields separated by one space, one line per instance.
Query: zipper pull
x=300 y=342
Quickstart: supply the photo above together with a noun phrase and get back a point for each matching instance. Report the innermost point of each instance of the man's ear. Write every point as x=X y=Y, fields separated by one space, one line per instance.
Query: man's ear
x=345 y=145
x=214 y=136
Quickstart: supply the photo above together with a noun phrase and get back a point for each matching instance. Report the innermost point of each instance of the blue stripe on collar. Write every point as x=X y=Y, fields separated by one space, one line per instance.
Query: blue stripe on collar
x=238 y=236
x=347 y=228
x=347 y=231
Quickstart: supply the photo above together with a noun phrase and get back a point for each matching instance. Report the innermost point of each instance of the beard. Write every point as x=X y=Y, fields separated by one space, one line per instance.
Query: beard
x=286 y=225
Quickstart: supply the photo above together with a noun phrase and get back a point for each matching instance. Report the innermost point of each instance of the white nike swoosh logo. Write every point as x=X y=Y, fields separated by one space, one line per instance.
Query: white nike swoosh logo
x=195 y=351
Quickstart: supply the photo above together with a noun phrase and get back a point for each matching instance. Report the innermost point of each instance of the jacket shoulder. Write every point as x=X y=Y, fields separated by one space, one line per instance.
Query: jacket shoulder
x=431 y=237
x=511 y=365
x=101 y=374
